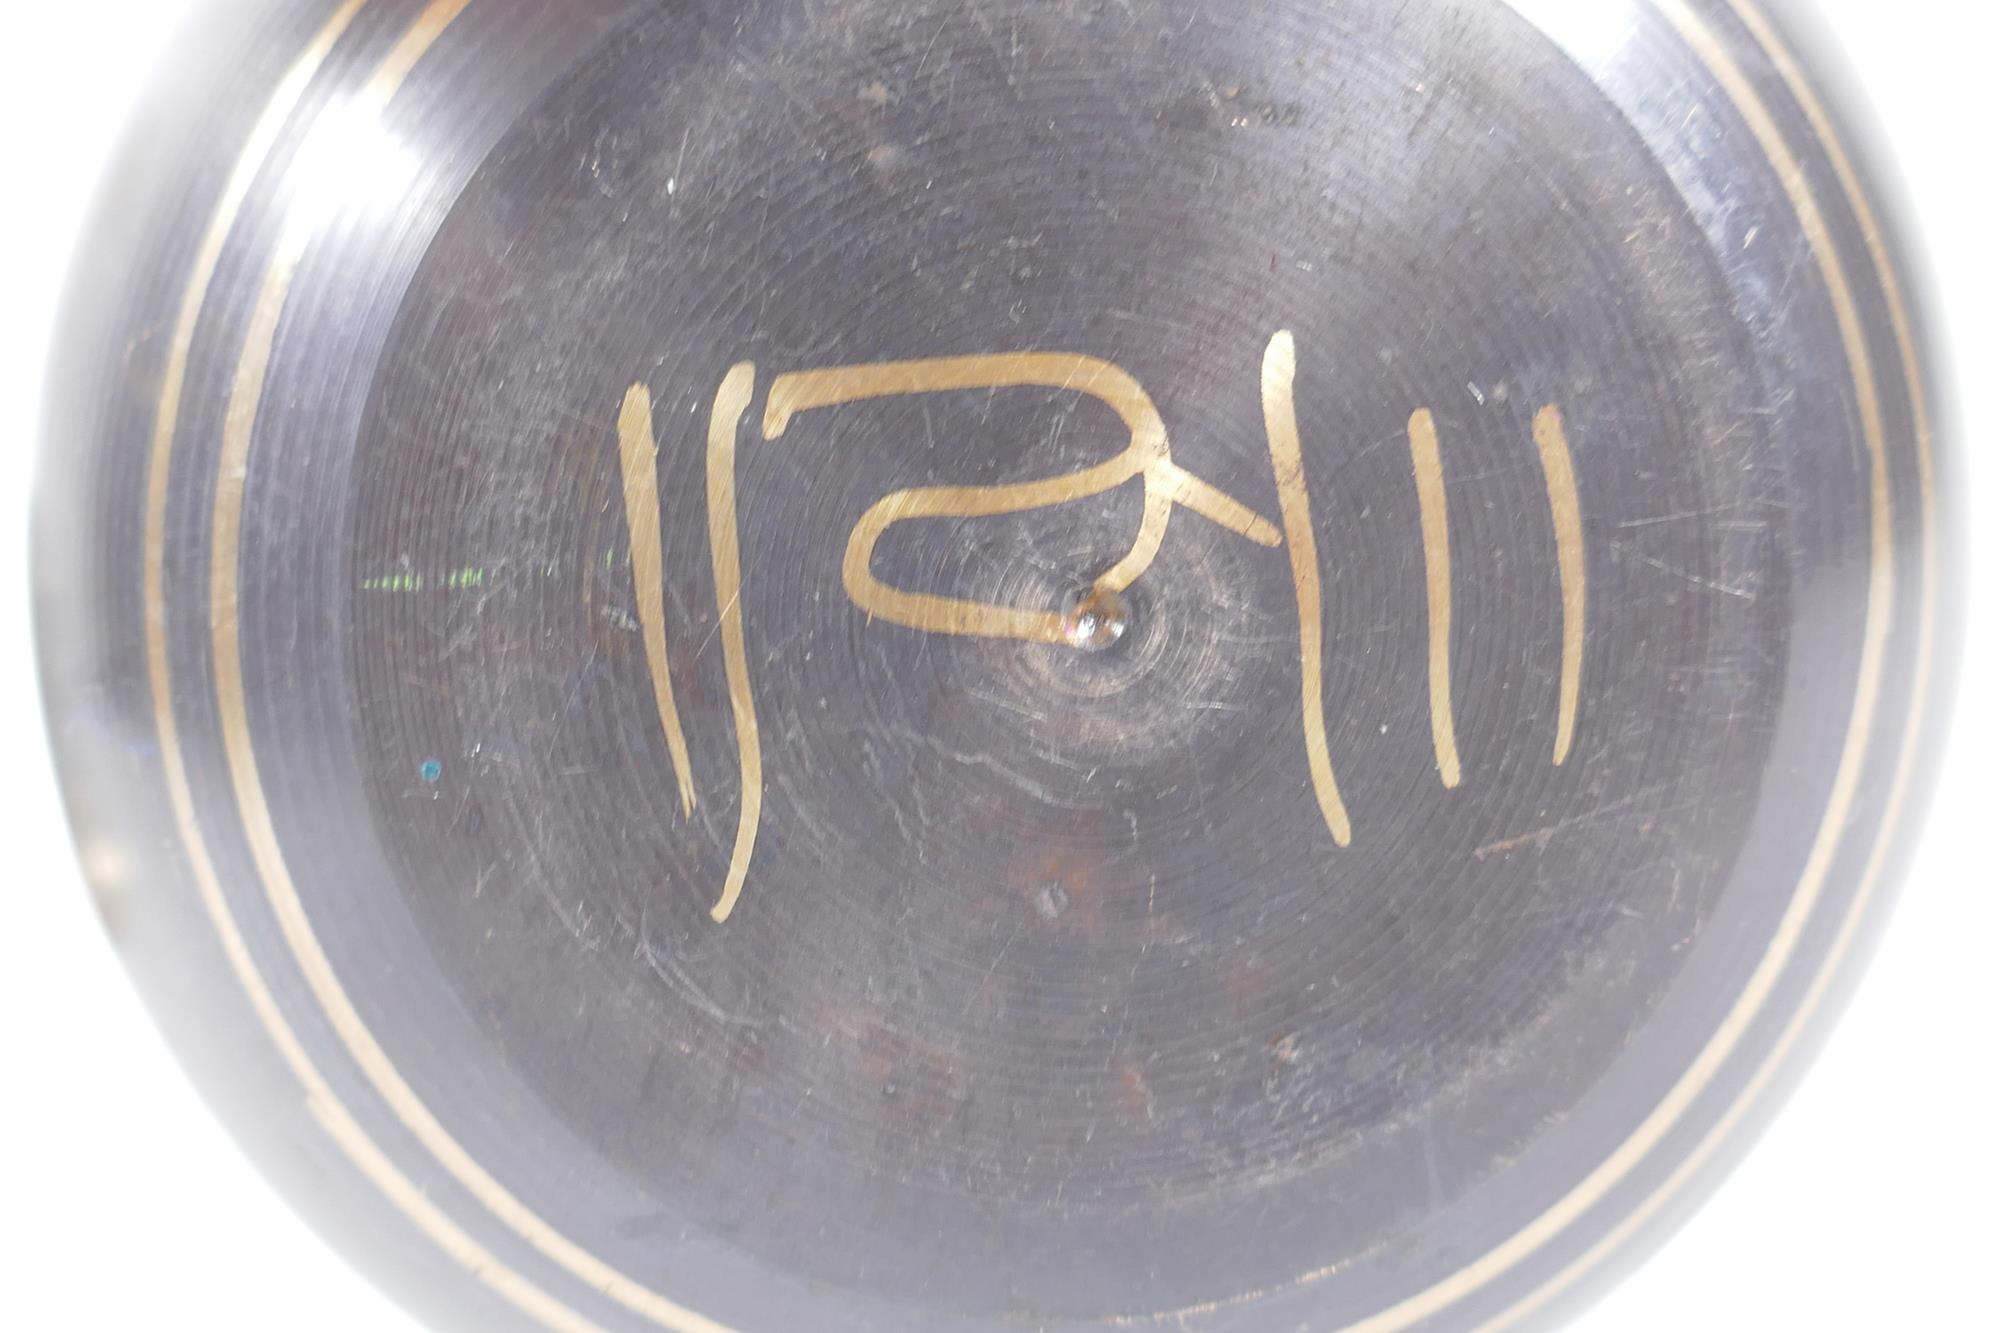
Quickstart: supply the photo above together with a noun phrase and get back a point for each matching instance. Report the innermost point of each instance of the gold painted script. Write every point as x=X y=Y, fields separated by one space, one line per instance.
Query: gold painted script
x=1147 y=458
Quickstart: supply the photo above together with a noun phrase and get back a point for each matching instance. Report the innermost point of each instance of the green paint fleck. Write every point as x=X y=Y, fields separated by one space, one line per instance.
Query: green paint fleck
x=456 y=580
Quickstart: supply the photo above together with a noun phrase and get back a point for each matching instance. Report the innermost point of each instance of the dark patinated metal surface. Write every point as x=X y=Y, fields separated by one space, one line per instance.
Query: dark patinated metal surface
x=991 y=663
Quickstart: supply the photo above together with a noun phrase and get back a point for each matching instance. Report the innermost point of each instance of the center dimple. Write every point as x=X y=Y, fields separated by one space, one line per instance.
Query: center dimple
x=1096 y=620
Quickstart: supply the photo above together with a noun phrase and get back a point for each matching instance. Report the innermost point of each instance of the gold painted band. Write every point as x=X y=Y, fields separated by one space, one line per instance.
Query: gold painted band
x=341 y=1126
x=1706 y=43
x=1896 y=802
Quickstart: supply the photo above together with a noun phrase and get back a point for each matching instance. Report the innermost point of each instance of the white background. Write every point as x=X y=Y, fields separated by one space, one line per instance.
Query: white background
x=1871 y=1205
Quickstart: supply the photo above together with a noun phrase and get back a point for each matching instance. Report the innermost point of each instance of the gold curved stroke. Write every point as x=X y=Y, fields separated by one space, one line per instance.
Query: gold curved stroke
x=1566 y=512
x=1147 y=455
x=1435 y=517
x=639 y=454
x=1281 y=426
x=638 y=460
x=725 y=423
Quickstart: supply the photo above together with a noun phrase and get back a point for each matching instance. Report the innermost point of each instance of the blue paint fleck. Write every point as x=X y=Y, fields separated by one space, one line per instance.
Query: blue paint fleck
x=431 y=771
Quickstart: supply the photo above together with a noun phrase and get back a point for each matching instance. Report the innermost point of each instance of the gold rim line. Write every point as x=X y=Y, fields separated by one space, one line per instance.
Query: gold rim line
x=1435 y=516
x=1896 y=804
x=1696 y=1080
x=1281 y=424
x=322 y=1102
x=725 y=423
x=334 y=1118
x=253 y=806
x=1702 y=39
x=166 y=417
x=638 y=461
x=1566 y=512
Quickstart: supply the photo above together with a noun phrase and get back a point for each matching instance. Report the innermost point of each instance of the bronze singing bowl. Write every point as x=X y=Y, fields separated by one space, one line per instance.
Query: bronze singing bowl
x=994 y=664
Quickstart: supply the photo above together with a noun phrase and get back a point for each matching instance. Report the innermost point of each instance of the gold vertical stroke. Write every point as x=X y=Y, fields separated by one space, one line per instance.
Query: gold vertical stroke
x=1436 y=519
x=1281 y=423
x=1559 y=468
x=638 y=459
x=725 y=423
x=260 y=832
